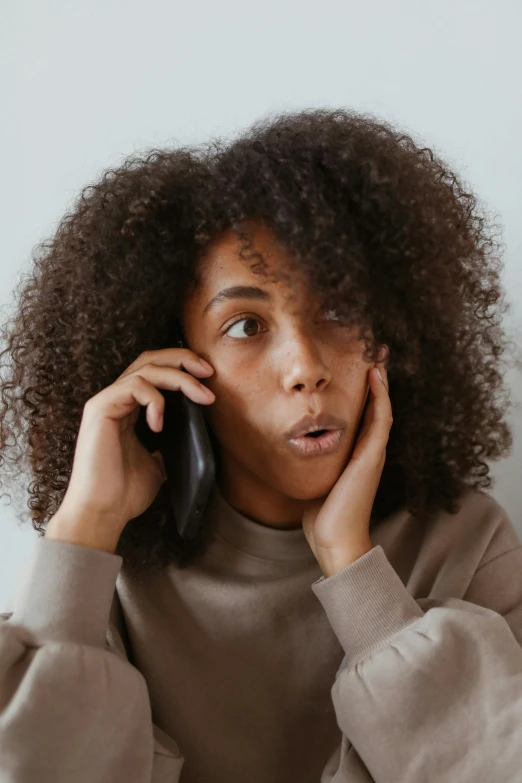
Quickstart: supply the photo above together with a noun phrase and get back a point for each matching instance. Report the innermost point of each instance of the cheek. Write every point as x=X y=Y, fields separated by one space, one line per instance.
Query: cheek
x=352 y=377
x=237 y=387
x=233 y=407
x=355 y=391
x=242 y=421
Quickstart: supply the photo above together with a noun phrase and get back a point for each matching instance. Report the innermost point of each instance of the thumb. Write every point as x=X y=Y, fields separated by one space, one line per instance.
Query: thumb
x=158 y=459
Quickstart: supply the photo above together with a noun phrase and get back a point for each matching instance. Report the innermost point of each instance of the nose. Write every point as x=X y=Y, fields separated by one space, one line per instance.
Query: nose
x=303 y=368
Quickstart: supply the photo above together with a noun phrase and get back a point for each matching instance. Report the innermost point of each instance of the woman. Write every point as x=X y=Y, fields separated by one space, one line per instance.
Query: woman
x=351 y=609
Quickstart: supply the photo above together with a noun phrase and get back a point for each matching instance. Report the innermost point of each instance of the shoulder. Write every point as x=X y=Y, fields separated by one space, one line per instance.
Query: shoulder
x=483 y=522
x=445 y=552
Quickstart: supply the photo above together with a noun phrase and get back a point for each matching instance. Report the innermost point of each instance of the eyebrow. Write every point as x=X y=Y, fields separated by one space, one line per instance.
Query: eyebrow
x=237 y=292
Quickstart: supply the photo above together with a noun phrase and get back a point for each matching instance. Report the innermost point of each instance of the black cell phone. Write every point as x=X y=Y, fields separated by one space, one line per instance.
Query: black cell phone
x=187 y=453
x=186 y=448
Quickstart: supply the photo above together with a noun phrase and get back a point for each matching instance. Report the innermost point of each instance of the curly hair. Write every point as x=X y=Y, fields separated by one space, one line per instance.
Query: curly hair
x=386 y=233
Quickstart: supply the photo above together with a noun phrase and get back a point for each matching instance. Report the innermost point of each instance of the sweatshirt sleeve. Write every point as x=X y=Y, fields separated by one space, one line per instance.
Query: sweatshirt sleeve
x=72 y=708
x=428 y=690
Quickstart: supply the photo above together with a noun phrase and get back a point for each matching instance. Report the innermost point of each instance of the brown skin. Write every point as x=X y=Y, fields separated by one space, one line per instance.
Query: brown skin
x=291 y=360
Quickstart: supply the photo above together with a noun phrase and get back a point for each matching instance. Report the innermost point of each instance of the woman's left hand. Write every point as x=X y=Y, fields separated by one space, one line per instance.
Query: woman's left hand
x=337 y=526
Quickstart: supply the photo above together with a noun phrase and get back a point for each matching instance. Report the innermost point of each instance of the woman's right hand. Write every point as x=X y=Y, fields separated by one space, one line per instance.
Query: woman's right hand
x=114 y=478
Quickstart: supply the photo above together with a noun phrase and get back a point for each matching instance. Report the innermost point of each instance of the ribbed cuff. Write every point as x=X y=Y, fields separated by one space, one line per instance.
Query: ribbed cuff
x=66 y=593
x=366 y=603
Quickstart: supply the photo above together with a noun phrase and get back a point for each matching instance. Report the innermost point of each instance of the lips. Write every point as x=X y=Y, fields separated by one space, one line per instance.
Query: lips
x=309 y=423
x=308 y=446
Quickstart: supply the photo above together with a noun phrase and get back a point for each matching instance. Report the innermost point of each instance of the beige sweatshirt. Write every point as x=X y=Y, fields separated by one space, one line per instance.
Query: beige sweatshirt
x=404 y=667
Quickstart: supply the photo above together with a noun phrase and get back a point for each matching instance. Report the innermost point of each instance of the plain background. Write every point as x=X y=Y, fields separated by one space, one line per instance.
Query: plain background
x=85 y=84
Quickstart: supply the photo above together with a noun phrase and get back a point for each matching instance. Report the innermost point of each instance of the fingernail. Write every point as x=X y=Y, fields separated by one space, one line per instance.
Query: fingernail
x=205 y=364
x=380 y=376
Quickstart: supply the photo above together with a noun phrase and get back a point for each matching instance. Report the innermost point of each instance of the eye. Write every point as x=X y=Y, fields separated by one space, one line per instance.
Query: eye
x=240 y=333
x=331 y=315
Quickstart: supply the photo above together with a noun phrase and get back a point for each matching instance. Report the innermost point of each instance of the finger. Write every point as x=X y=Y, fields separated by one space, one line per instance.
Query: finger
x=167 y=377
x=379 y=387
x=371 y=443
x=373 y=411
x=158 y=457
x=170 y=357
x=384 y=376
x=367 y=415
x=382 y=363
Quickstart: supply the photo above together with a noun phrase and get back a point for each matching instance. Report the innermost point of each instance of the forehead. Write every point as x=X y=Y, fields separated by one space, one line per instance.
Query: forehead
x=221 y=265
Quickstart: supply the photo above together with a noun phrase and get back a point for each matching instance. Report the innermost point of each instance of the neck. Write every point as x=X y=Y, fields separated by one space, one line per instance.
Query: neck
x=261 y=503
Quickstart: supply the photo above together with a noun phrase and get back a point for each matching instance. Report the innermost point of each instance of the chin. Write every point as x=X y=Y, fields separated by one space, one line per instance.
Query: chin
x=311 y=487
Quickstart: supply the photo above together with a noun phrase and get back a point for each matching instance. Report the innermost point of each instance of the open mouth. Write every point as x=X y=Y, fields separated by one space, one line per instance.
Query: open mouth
x=318 y=442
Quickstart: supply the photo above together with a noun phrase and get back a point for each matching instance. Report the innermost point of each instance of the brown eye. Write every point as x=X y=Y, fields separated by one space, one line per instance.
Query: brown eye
x=241 y=332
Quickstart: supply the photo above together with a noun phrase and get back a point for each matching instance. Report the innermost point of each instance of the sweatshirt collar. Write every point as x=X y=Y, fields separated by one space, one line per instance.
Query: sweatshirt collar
x=254 y=538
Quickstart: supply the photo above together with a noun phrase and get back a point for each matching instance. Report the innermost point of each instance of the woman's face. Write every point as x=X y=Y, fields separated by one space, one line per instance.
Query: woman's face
x=276 y=357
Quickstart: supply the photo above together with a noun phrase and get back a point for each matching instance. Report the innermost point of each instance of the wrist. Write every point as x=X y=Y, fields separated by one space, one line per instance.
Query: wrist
x=340 y=560
x=87 y=530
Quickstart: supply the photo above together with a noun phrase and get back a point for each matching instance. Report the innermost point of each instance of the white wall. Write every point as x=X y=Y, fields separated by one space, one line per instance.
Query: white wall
x=83 y=84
